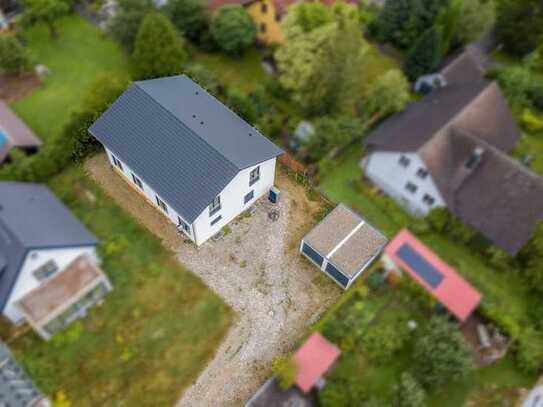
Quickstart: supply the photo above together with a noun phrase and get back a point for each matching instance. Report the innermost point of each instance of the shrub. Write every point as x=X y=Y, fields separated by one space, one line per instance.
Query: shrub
x=530 y=121
x=204 y=77
x=159 y=50
x=382 y=340
x=529 y=350
x=343 y=387
x=123 y=27
x=438 y=219
x=232 y=29
x=284 y=369
x=440 y=354
x=408 y=392
x=14 y=58
x=240 y=103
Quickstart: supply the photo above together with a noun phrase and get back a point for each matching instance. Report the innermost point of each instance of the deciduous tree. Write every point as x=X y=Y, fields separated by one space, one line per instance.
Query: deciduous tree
x=519 y=25
x=189 y=16
x=386 y=95
x=123 y=27
x=233 y=29
x=45 y=11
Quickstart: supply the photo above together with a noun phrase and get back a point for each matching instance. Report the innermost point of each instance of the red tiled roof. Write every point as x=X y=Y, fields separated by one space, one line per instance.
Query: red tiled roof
x=313 y=360
x=456 y=294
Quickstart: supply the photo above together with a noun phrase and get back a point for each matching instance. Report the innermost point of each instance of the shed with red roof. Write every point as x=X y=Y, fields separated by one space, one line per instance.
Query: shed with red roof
x=405 y=251
x=313 y=360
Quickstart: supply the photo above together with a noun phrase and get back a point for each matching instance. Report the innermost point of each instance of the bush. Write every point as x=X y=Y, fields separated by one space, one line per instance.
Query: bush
x=440 y=354
x=240 y=103
x=529 y=351
x=159 y=50
x=408 y=392
x=204 y=77
x=284 y=369
x=233 y=29
x=384 y=339
x=530 y=121
x=331 y=133
x=342 y=387
x=14 y=58
x=438 y=219
x=123 y=27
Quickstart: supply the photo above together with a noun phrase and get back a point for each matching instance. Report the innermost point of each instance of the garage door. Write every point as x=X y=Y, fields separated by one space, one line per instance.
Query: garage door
x=312 y=254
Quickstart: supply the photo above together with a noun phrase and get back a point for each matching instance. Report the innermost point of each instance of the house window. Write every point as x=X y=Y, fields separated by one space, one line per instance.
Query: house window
x=277 y=17
x=254 y=176
x=263 y=27
x=249 y=196
x=264 y=8
x=218 y=218
x=161 y=204
x=215 y=205
x=137 y=181
x=422 y=173
x=404 y=161
x=411 y=187
x=181 y=224
x=428 y=200
x=46 y=270
x=117 y=163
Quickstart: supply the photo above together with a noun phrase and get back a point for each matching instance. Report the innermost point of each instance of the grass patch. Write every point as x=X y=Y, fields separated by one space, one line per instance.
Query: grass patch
x=155 y=331
x=75 y=59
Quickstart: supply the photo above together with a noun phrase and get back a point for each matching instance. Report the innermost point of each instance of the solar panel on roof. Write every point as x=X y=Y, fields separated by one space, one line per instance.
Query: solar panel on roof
x=337 y=275
x=312 y=254
x=419 y=265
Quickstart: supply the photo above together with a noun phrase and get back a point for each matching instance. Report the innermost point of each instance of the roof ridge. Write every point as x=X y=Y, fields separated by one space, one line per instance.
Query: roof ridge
x=156 y=102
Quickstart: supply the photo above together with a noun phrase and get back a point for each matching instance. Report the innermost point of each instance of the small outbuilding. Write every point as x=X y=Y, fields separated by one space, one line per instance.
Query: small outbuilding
x=343 y=245
x=406 y=252
x=313 y=360
x=14 y=133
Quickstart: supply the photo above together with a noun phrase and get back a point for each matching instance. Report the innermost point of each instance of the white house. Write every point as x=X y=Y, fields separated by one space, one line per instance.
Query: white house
x=186 y=153
x=49 y=272
x=450 y=149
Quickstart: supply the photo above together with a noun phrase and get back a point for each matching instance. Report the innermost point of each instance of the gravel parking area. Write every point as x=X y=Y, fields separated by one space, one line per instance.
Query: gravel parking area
x=256 y=269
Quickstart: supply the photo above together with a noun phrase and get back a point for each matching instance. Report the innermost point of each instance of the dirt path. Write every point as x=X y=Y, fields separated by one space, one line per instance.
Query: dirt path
x=255 y=268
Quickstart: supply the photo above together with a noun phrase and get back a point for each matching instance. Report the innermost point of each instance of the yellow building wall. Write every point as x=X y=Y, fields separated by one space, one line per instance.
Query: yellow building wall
x=268 y=26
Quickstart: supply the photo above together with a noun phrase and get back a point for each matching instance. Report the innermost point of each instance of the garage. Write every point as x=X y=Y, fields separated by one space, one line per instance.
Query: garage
x=343 y=245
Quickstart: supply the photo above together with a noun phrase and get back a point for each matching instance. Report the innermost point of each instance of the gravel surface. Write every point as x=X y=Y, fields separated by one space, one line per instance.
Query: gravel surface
x=256 y=269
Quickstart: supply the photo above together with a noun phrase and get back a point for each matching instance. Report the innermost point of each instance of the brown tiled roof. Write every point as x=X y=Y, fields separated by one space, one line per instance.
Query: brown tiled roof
x=52 y=295
x=500 y=198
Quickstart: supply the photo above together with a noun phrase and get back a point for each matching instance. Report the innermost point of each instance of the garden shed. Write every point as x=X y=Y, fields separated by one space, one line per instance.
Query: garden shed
x=343 y=245
x=406 y=252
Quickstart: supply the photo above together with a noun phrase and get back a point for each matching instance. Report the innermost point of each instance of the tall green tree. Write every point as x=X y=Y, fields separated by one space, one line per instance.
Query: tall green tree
x=45 y=11
x=14 y=58
x=123 y=27
x=159 y=49
x=388 y=94
x=331 y=133
x=475 y=18
x=189 y=16
x=519 y=25
x=425 y=55
x=232 y=29
x=440 y=354
x=328 y=56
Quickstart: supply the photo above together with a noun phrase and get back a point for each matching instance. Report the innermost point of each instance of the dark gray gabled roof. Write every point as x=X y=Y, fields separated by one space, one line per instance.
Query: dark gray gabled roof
x=31 y=217
x=181 y=140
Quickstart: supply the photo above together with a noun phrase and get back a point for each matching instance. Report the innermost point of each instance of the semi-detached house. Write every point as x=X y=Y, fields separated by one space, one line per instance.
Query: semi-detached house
x=186 y=153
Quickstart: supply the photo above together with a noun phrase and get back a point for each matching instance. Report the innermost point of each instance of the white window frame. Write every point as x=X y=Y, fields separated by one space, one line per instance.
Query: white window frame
x=117 y=162
x=254 y=175
x=161 y=204
x=137 y=181
x=46 y=270
x=215 y=205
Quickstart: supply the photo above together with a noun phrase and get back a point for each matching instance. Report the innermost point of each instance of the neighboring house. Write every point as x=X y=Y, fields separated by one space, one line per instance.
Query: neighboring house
x=49 y=274
x=406 y=253
x=267 y=15
x=343 y=245
x=189 y=155
x=16 y=388
x=451 y=149
x=15 y=134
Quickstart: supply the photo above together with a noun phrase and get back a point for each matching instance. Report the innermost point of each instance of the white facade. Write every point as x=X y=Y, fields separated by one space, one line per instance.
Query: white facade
x=232 y=198
x=405 y=178
x=26 y=280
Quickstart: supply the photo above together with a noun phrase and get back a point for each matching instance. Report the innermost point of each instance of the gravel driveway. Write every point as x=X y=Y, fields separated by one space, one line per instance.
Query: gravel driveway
x=256 y=269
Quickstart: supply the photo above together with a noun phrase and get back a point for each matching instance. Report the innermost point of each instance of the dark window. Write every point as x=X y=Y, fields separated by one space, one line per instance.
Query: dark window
x=264 y=8
x=337 y=275
x=46 y=270
x=422 y=173
x=137 y=181
x=277 y=17
x=181 y=224
x=215 y=205
x=218 y=218
x=161 y=204
x=117 y=163
x=404 y=161
x=263 y=27
x=428 y=200
x=411 y=187
x=312 y=254
x=254 y=176
x=248 y=197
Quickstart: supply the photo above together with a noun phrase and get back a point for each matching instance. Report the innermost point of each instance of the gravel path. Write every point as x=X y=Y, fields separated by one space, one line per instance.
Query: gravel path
x=256 y=269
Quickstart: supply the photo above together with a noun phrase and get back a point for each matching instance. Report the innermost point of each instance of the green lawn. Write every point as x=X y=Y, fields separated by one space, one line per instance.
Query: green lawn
x=155 y=331
x=75 y=59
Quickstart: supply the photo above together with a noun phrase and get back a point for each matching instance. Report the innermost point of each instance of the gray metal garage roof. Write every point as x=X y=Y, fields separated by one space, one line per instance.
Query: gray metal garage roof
x=346 y=240
x=181 y=140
